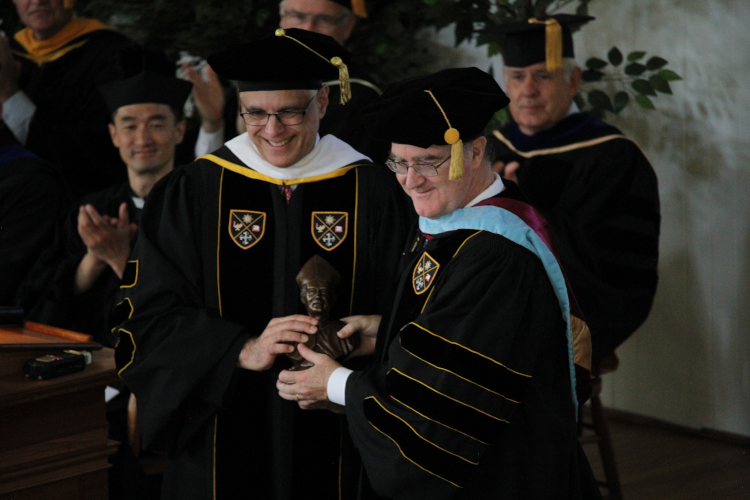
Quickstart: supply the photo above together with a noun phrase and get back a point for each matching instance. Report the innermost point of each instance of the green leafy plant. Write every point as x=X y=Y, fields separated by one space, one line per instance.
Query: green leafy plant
x=387 y=43
x=626 y=79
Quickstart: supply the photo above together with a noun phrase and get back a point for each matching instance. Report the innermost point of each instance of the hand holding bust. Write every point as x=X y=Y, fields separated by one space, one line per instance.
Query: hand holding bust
x=317 y=281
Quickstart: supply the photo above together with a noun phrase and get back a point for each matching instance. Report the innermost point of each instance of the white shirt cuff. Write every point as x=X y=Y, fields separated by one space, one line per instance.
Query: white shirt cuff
x=337 y=385
x=208 y=141
x=18 y=112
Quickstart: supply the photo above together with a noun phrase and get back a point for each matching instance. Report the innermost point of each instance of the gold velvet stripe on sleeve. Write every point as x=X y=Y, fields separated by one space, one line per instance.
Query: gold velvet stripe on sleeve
x=426 y=455
x=467 y=364
x=436 y=406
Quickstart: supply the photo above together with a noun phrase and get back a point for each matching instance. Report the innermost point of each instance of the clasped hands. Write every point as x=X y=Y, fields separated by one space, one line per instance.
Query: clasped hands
x=107 y=241
x=308 y=387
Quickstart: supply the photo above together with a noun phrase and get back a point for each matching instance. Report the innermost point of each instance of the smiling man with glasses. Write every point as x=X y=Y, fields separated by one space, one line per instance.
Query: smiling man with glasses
x=210 y=296
x=473 y=392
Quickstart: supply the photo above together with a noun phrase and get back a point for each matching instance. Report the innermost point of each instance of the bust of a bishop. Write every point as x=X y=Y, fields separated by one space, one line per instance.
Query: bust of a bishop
x=317 y=281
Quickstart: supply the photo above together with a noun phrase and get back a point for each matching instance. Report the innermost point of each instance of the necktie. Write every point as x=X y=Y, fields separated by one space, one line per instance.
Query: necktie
x=287 y=192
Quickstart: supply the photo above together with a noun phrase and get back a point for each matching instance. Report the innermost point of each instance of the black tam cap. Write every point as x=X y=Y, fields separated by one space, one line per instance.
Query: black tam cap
x=447 y=107
x=146 y=87
x=535 y=40
x=292 y=59
x=358 y=7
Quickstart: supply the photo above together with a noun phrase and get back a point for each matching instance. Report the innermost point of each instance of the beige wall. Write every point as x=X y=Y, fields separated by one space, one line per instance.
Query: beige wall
x=690 y=362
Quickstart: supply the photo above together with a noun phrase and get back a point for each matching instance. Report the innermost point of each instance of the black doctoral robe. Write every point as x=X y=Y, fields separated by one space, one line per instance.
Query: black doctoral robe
x=47 y=294
x=600 y=194
x=69 y=127
x=472 y=395
x=33 y=198
x=217 y=255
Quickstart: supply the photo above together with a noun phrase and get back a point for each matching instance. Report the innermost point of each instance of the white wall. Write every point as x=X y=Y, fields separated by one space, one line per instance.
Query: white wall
x=690 y=362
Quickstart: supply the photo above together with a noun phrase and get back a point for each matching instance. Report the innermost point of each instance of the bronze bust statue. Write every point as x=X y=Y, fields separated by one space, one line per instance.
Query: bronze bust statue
x=317 y=281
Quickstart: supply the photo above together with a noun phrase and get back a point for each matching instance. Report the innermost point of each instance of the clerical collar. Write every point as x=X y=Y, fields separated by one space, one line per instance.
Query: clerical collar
x=328 y=155
x=494 y=189
x=138 y=202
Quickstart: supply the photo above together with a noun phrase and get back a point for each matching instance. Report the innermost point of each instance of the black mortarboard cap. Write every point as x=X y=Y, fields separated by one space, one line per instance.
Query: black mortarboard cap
x=446 y=107
x=290 y=59
x=535 y=40
x=356 y=6
x=146 y=87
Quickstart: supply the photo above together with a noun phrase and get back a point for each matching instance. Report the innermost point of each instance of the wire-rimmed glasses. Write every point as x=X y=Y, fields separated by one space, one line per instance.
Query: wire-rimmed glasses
x=288 y=117
x=425 y=169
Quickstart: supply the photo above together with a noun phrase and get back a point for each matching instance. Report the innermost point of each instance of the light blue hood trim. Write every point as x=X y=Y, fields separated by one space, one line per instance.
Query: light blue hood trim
x=504 y=223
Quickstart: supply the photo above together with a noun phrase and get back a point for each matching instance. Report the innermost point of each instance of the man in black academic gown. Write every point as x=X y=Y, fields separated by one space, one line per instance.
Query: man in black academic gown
x=592 y=183
x=51 y=101
x=210 y=289
x=75 y=283
x=473 y=393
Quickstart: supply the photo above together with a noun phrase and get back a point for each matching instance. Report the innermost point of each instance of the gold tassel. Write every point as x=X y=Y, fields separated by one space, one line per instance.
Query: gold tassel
x=457 y=161
x=359 y=9
x=553 y=44
x=452 y=137
x=345 y=85
x=69 y=4
x=344 y=82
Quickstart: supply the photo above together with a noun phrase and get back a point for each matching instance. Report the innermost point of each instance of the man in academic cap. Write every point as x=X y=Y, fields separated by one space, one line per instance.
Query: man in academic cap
x=210 y=288
x=338 y=19
x=473 y=391
x=75 y=283
x=592 y=183
x=49 y=90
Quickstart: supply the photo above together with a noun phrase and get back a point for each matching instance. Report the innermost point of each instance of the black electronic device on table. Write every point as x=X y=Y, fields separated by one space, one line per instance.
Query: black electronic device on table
x=54 y=365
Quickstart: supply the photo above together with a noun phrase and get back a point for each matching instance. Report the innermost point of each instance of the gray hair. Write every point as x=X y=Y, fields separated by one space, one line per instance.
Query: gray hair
x=569 y=65
x=283 y=2
x=489 y=149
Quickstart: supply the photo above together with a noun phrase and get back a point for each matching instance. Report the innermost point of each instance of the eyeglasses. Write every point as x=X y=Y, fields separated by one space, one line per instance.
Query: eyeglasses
x=321 y=20
x=426 y=169
x=286 y=117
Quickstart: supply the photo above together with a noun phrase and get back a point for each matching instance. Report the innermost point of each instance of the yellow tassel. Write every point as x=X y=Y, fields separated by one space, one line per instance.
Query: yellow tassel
x=344 y=82
x=69 y=4
x=452 y=137
x=345 y=85
x=359 y=9
x=457 y=161
x=552 y=43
